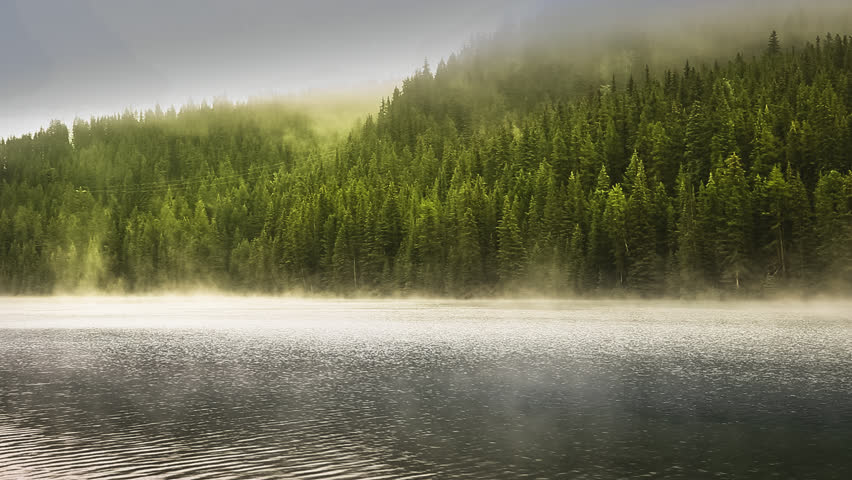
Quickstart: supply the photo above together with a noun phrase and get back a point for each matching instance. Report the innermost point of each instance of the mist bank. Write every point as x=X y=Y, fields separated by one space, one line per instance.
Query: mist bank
x=621 y=37
x=569 y=50
x=836 y=299
x=87 y=306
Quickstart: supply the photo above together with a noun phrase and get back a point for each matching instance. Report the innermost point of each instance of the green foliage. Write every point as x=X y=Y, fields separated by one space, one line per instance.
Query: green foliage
x=482 y=177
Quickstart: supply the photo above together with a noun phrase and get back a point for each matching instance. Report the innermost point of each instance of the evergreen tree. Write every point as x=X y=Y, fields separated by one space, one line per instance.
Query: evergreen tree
x=615 y=220
x=732 y=176
x=774 y=47
x=641 y=243
x=511 y=255
x=734 y=227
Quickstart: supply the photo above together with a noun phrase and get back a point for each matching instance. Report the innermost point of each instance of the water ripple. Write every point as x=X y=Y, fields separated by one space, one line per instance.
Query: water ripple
x=416 y=391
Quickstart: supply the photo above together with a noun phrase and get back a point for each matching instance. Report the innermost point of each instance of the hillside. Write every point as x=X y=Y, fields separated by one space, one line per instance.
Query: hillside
x=480 y=178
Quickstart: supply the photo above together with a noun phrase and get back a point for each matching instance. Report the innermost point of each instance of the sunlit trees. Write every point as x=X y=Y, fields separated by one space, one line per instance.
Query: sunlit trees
x=481 y=178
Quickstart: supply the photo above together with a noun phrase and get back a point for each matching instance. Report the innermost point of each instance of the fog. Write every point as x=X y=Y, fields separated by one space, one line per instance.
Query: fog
x=90 y=58
x=265 y=387
x=182 y=370
x=93 y=58
x=214 y=309
x=619 y=38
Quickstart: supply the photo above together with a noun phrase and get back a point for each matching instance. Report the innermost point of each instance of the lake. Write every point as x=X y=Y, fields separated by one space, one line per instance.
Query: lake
x=217 y=387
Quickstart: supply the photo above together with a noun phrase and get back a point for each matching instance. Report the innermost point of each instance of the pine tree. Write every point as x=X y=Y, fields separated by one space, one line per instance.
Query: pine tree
x=774 y=46
x=688 y=239
x=738 y=177
x=834 y=227
x=511 y=255
x=615 y=220
x=734 y=225
x=778 y=205
x=641 y=236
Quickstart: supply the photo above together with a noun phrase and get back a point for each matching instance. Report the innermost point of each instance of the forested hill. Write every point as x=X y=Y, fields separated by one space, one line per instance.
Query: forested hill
x=732 y=178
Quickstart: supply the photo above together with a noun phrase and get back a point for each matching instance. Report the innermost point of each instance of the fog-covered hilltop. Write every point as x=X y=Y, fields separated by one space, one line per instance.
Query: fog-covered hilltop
x=481 y=175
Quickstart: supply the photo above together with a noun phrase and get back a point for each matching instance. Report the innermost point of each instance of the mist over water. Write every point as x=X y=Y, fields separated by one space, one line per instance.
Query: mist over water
x=273 y=388
x=213 y=386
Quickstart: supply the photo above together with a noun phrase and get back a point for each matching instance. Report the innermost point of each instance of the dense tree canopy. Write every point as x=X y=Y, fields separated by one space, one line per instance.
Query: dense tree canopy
x=731 y=178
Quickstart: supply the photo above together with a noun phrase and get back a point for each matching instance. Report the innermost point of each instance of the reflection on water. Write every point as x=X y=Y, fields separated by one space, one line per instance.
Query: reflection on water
x=260 y=388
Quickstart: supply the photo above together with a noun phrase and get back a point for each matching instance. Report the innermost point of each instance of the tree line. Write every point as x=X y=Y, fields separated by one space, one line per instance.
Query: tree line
x=476 y=179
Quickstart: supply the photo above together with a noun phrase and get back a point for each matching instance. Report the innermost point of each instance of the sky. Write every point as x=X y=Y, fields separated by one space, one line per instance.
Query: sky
x=77 y=58
x=66 y=59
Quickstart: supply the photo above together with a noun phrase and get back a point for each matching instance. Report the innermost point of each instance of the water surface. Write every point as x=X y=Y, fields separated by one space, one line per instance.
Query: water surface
x=275 y=388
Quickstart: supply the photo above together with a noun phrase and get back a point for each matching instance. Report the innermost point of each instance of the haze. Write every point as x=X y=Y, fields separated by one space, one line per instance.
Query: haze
x=83 y=58
x=91 y=57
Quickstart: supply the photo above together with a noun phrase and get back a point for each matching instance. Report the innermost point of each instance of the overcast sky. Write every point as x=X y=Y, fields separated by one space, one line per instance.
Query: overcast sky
x=61 y=59
x=67 y=58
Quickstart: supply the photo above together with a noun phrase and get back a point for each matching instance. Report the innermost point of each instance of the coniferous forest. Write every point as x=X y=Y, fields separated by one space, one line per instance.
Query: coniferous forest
x=477 y=178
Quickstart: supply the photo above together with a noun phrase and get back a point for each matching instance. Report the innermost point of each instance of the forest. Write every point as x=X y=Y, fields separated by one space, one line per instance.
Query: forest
x=726 y=178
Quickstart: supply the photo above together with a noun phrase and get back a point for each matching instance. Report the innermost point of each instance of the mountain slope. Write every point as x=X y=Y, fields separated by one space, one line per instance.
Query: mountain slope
x=484 y=177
